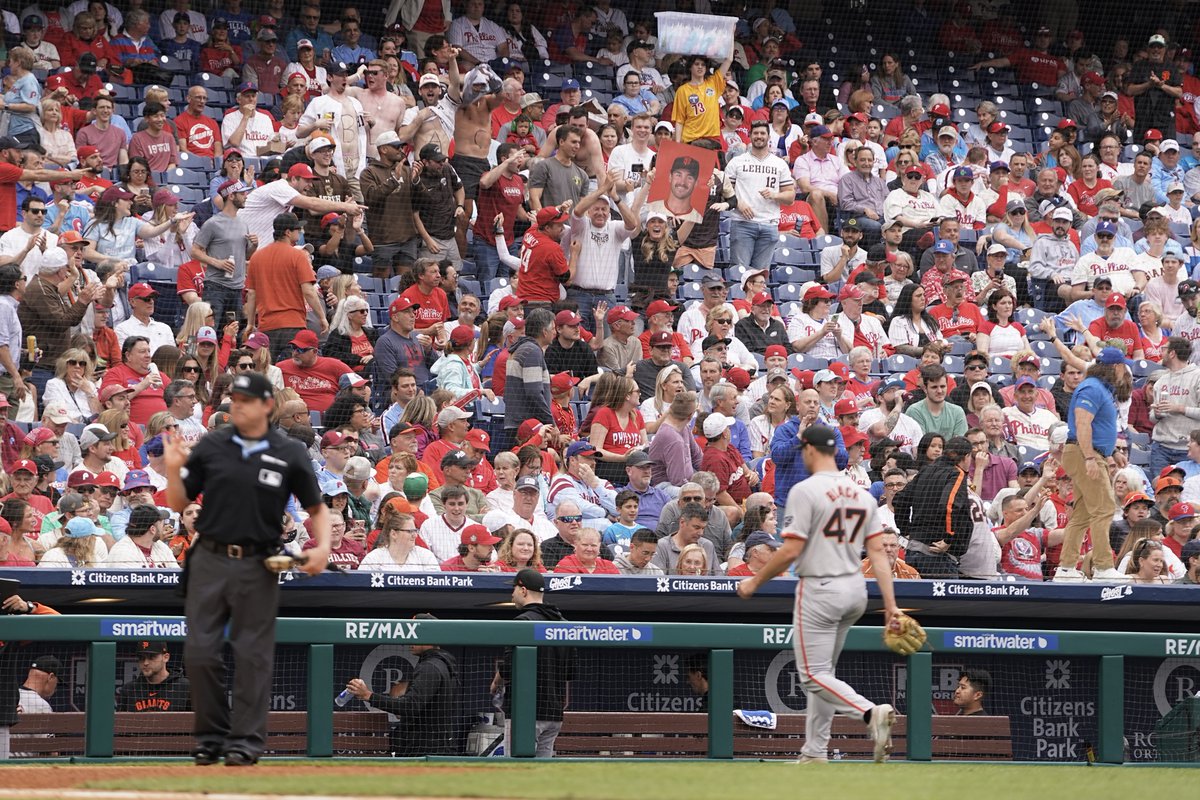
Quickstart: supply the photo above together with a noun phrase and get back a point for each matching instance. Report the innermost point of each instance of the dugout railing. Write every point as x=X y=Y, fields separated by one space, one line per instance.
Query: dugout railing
x=317 y=637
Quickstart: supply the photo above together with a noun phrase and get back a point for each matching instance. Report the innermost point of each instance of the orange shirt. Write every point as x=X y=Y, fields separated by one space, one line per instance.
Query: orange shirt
x=276 y=274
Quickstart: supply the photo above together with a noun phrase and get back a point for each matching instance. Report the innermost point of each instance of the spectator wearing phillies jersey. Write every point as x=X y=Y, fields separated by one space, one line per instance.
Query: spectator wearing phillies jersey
x=961 y=202
x=857 y=329
x=1116 y=327
x=1026 y=423
x=956 y=316
x=544 y=268
x=156 y=687
x=1022 y=547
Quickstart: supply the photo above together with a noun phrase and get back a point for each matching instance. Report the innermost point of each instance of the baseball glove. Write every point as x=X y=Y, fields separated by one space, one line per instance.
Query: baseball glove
x=904 y=635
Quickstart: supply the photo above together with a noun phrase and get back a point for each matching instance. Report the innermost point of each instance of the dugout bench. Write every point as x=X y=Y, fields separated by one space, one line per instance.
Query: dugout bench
x=169 y=733
x=584 y=734
x=685 y=735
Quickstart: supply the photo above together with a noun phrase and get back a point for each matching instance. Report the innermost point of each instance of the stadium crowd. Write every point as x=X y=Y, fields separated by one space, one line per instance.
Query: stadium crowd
x=429 y=227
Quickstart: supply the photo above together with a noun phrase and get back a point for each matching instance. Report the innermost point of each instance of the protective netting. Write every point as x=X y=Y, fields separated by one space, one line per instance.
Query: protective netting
x=1162 y=709
x=634 y=702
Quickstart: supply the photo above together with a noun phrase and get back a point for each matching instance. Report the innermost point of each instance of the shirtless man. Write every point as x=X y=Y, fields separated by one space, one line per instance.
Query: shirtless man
x=381 y=109
x=475 y=98
x=589 y=158
x=432 y=122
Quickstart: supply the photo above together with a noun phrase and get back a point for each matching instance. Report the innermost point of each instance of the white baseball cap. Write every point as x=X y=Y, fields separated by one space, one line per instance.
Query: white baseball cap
x=717 y=423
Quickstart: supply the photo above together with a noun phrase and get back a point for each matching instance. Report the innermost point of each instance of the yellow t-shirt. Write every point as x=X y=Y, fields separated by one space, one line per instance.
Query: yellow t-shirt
x=698 y=108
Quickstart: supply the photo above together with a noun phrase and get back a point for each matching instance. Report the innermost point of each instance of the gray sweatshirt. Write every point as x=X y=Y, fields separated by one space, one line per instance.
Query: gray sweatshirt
x=1052 y=256
x=1173 y=430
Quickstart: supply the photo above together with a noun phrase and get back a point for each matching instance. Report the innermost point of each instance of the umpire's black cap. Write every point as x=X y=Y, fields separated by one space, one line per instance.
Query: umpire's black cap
x=531 y=579
x=819 y=436
x=253 y=384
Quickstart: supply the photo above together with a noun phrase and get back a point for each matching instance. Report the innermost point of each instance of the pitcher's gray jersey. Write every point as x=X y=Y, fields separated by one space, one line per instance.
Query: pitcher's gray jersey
x=835 y=517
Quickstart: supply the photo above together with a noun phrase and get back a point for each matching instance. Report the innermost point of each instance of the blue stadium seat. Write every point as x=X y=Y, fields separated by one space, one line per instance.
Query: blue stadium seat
x=468 y=285
x=787 y=293
x=1139 y=457
x=369 y=284
x=805 y=361
x=196 y=163
x=1000 y=366
x=898 y=363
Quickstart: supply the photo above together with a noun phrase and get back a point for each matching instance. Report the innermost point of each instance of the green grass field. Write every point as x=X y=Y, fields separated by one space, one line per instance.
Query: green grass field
x=687 y=781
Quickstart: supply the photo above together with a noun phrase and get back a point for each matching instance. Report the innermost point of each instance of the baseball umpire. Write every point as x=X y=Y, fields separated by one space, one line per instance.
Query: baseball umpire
x=246 y=473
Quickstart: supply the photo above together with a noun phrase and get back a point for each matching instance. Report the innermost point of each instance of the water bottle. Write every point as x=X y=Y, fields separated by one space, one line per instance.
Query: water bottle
x=343 y=697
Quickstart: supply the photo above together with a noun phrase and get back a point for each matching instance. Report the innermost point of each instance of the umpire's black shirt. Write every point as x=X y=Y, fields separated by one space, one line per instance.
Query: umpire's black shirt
x=246 y=484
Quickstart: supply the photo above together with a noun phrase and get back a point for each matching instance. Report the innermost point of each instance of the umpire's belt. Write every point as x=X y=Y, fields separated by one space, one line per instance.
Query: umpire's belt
x=237 y=551
x=921 y=547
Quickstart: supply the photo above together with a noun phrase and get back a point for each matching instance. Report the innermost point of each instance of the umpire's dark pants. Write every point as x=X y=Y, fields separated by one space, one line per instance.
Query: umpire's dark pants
x=245 y=595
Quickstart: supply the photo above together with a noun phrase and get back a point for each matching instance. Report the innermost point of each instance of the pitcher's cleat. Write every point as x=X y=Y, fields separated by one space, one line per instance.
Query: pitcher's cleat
x=883 y=717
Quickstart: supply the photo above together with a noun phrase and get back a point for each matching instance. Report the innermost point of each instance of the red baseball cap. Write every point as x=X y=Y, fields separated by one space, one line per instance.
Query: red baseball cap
x=478 y=438
x=461 y=335
x=402 y=303
x=659 y=307
x=818 y=293
x=776 y=350
x=108 y=480
x=852 y=437
x=530 y=432
x=939 y=110
x=620 y=313
x=804 y=377
x=301 y=171
x=1153 y=135
x=567 y=318
x=509 y=301
x=761 y=298
x=81 y=477
x=549 y=216
x=562 y=382
x=331 y=218
x=851 y=292
x=87 y=151
x=305 y=338
x=840 y=369
x=142 y=290
x=738 y=377
x=477 y=534
x=1181 y=511
x=1065 y=123
x=662 y=339
x=24 y=465
x=40 y=435
x=1115 y=299
x=845 y=406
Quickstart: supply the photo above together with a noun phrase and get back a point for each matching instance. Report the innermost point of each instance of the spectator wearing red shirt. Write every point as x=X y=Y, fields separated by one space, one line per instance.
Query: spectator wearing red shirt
x=79 y=82
x=501 y=191
x=134 y=372
x=798 y=219
x=345 y=553
x=586 y=559
x=760 y=547
x=198 y=133
x=1116 y=326
x=313 y=376
x=544 y=267
x=660 y=318
x=724 y=461
x=1084 y=190
x=87 y=37
x=433 y=307
x=11 y=172
x=1032 y=65
x=474 y=552
x=956 y=316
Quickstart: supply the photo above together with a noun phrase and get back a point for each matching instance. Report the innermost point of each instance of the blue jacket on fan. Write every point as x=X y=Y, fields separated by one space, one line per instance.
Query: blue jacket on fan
x=789 y=466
